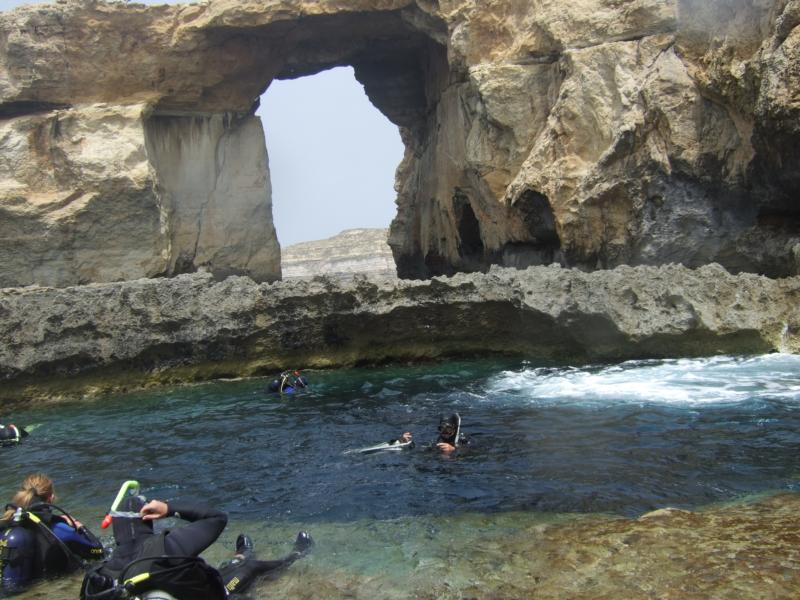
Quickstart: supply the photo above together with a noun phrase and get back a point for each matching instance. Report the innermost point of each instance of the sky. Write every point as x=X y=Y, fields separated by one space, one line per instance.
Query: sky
x=332 y=155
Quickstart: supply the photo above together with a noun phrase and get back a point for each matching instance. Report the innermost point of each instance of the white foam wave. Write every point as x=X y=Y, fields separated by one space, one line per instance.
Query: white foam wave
x=721 y=379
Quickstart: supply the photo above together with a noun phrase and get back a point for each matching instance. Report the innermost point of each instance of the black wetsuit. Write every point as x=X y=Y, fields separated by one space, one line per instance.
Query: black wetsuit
x=136 y=540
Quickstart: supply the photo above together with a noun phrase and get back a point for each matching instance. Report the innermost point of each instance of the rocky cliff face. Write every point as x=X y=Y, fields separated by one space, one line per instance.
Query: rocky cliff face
x=352 y=251
x=592 y=134
x=101 y=337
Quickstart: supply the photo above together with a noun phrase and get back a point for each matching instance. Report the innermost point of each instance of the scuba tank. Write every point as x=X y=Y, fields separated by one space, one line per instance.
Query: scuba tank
x=29 y=549
x=17 y=555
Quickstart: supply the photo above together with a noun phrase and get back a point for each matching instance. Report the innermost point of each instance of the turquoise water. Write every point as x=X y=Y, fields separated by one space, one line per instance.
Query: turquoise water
x=546 y=441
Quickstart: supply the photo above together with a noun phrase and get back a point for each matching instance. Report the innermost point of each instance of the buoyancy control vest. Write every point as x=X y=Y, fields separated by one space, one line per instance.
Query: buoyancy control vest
x=30 y=550
x=139 y=564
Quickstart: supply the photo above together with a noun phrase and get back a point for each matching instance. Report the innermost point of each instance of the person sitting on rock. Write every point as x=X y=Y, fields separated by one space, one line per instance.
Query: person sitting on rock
x=37 y=542
x=166 y=564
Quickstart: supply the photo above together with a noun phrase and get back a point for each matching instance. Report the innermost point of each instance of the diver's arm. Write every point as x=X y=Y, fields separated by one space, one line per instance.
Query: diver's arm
x=67 y=533
x=404 y=438
x=205 y=525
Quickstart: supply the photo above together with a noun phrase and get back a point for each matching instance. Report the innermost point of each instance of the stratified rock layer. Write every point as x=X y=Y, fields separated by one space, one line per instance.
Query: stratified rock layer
x=350 y=252
x=72 y=341
x=591 y=133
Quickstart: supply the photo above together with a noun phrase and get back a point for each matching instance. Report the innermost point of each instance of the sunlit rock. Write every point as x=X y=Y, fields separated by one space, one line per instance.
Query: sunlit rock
x=84 y=339
x=351 y=251
x=591 y=134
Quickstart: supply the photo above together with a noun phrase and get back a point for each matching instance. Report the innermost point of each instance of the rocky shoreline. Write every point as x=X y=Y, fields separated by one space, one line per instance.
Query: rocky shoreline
x=82 y=341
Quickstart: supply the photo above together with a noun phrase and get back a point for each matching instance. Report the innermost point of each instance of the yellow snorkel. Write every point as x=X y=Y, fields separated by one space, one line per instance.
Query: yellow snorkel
x=130 y=487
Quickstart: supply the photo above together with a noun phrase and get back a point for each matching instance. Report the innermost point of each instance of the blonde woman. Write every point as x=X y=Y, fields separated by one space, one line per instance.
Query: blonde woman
x=34 y=542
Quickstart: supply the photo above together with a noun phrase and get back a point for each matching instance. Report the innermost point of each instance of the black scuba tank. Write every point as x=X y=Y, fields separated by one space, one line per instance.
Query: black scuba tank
x=29 y=550
x=17 y=558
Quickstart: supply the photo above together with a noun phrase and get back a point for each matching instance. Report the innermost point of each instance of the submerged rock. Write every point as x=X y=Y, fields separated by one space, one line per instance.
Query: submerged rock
x=73 y=341
x=745 y=551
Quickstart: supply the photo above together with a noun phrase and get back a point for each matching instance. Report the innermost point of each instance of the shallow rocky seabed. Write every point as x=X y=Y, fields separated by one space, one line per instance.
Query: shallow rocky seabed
x=744 y=550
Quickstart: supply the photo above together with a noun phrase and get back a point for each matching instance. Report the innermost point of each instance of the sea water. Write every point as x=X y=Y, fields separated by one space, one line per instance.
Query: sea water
x=547 y=443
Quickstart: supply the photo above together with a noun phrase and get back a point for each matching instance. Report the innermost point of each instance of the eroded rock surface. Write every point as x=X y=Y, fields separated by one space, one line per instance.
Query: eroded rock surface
x=591 y=134
x=343 y=255
x=73 y=341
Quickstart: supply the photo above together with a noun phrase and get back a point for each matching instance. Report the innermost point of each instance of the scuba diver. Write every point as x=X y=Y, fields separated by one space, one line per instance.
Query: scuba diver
x=450 y=436
x=288 y=383
x=11 y=434
x=167 y=565
x=36 y=543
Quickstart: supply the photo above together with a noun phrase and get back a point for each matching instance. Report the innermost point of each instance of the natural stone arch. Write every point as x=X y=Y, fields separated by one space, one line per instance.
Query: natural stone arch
x=621 y=128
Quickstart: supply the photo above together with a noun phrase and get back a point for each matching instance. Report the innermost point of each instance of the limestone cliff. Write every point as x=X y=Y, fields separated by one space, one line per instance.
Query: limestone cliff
x=100 y=337
x=351 y=251
x=592 y=133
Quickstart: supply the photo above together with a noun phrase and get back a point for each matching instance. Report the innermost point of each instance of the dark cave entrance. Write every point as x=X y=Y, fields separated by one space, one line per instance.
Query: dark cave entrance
x=544 y=246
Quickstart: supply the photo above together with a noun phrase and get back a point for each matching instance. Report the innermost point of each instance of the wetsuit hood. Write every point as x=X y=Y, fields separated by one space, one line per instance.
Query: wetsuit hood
x=449 y=428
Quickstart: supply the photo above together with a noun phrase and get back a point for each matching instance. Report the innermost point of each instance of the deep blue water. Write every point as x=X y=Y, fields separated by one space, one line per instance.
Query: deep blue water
x=622 y=438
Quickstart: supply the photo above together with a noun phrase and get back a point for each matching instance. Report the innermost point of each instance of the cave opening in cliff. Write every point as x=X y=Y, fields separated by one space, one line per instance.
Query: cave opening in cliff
x=544 y=245
x=332 y=157
x=470 y=244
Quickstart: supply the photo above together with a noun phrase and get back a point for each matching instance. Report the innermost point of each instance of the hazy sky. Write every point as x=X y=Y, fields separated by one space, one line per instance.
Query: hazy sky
x=332 y=154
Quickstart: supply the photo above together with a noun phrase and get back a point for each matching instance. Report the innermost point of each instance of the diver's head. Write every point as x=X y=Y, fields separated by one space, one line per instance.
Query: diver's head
x=448 y=427
x=35 y=489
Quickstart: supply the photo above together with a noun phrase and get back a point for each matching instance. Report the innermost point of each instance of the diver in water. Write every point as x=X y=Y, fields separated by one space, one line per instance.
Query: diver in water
x=11 y=434
x=288 y=383
x=167 y=564
x=450 y=436
x=36 y=543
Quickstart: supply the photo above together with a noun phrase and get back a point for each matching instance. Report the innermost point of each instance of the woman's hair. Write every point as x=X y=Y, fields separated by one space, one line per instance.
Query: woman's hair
x=37 y=486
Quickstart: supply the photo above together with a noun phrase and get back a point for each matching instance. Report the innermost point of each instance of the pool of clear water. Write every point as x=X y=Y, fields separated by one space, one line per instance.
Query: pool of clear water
x=620 y=439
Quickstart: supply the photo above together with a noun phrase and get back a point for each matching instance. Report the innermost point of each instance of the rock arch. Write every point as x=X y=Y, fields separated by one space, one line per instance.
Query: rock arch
x=129 y=146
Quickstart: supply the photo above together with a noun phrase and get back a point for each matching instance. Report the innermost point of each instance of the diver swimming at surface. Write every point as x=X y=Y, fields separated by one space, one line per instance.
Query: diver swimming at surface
x=11 y=434
x=36 y=543
x=450 y=435
x=288 y=382
x=450 y=438
x=167 y=564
